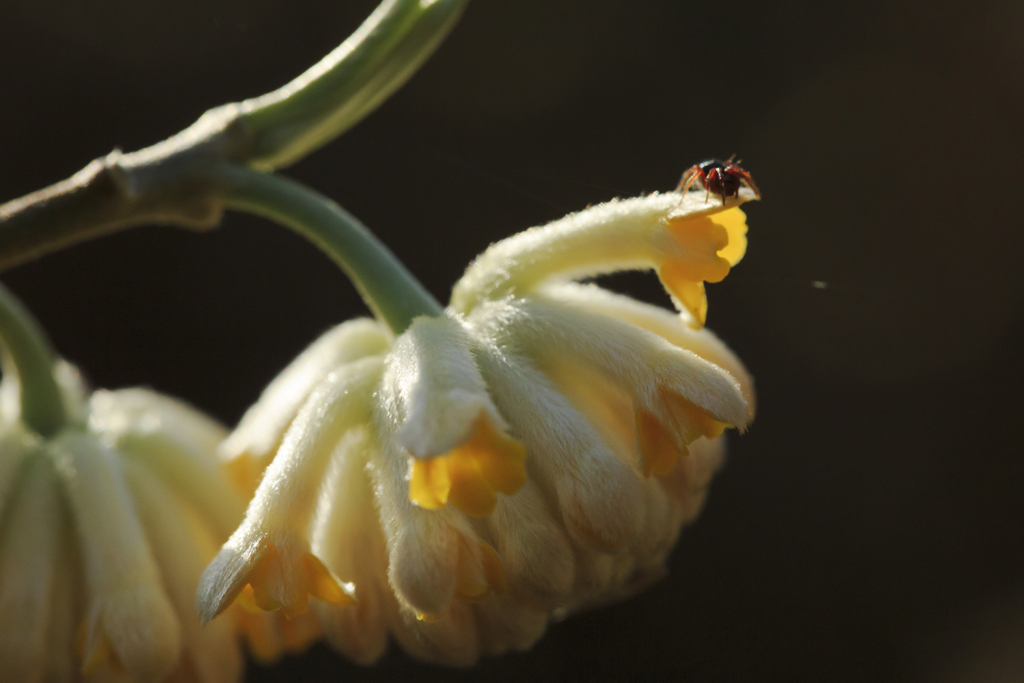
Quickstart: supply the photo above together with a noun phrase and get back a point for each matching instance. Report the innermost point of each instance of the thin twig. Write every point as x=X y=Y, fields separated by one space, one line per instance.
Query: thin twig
x=167 y=184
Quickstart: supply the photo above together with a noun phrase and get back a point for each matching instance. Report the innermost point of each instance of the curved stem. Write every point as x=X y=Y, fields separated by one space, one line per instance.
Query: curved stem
x=349 y=83
x=389 y=289
x=162 y=184
x=42 y=404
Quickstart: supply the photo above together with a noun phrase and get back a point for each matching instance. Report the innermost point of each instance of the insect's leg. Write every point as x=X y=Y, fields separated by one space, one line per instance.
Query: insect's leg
x=715 y=174
x=688 y=177
x=751 y=184
x=687 y=180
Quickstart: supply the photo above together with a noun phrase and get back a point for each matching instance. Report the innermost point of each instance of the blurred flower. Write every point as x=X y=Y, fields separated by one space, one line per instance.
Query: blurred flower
x=533 y=451
x=106 y=527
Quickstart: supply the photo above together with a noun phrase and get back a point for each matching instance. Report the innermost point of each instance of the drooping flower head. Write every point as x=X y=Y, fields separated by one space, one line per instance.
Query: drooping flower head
x=111 y=504
x=532 y=451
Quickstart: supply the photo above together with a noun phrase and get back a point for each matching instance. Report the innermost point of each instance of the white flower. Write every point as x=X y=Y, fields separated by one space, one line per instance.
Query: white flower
x=106 y=527
x=533 y=451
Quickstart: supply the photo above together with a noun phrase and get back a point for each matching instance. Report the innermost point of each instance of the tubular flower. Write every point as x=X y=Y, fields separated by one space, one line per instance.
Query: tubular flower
x=106 y=527
x=533 y=451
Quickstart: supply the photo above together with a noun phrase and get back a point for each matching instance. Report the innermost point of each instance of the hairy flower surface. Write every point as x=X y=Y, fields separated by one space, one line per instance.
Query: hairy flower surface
x=533 y=451
x=105 y=528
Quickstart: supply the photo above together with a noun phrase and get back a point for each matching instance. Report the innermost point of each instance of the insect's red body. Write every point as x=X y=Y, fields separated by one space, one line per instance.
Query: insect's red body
x=723 y=178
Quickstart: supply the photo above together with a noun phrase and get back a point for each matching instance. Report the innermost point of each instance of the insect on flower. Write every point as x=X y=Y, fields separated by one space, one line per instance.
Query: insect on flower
x=723 y=178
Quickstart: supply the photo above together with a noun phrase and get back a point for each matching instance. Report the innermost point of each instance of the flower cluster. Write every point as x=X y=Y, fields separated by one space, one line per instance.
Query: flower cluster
x=106 y=527
x=453 y=478
x=533 y=451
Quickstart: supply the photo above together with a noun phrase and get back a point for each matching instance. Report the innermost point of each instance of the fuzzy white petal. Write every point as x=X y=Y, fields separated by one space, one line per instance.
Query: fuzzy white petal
x=28 y=553
x=617 y=235
x=425 y=546
x=15 y=445
x=636 y=359
x=144 y=410
x=534 y=550
x=175 y=440
x=610 y=411
x=676 y=327
x=127 y=603
x=284 y=504
x=438 y=388
x=212 y=651
x=263 y=426
x=350 y=543
x=66 y=606
x=599 y=497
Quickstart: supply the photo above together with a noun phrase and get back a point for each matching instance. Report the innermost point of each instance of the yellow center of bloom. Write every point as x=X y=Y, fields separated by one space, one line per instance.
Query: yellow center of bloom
x=470 y=476
x=313 y=579
x=685 y=278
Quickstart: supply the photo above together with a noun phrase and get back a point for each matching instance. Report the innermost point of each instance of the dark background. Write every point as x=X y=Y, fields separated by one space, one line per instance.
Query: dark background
x=870 y=524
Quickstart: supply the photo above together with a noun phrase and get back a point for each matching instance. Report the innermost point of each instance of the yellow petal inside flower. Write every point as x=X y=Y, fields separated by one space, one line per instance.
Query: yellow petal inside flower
x=101 y=654
x=323 y=584
x=473 y=586
x=247 y=601
x=470 y=491
x=715 y=428
x=701 y=239
x=260 y=579
x=313 y=579
x=471 y=475
x=694 y=421
x=657 y=446
x=429 y=482
x=493 y=569
x=735 y=223
x=716 y=243
x=689 y=293
x=428 y=617
x=244 y=474
x=502 y=460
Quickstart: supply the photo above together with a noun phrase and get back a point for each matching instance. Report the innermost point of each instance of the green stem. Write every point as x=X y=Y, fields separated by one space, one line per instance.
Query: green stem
x=349 y=83
x=162 y=183
x=389 y=289
x=42 y=403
